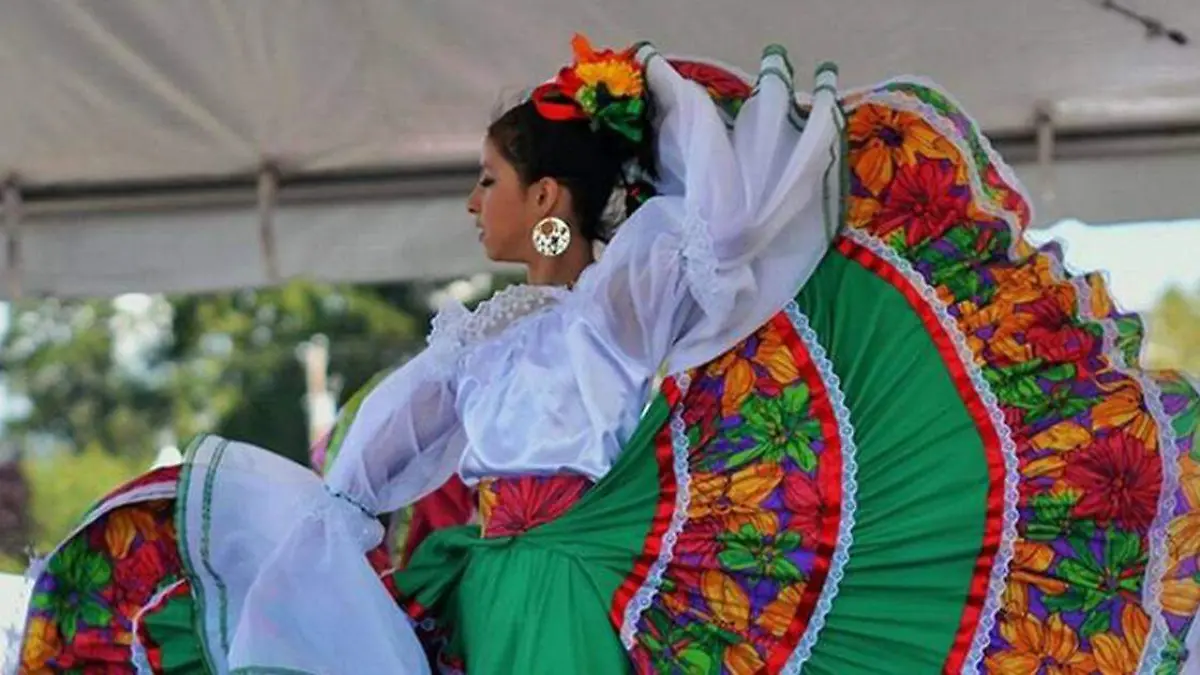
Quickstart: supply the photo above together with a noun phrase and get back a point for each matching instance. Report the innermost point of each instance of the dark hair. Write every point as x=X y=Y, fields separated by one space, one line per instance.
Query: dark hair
x=589 y=162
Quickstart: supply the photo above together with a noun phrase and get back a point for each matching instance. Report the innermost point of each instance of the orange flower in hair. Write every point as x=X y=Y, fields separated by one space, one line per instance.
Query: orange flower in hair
x=620 y=73
x=605 y=87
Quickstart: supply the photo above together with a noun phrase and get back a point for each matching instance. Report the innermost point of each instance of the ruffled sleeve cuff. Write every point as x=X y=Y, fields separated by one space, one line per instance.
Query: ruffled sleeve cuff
x=713 y=293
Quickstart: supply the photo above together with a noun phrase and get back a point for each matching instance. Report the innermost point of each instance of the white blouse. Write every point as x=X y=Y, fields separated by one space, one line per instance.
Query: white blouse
x=538 y=380
x=542 y=380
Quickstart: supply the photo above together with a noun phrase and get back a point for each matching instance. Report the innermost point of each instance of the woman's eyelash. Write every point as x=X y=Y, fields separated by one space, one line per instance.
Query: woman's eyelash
x=486 y=182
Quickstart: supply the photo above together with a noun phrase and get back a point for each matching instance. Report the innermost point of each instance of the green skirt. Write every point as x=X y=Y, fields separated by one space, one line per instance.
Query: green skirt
x=752 y=511
x=942 y=456
x=541 y=601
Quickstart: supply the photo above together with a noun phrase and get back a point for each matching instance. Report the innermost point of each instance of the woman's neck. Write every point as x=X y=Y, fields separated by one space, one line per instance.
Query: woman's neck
x=563 y=270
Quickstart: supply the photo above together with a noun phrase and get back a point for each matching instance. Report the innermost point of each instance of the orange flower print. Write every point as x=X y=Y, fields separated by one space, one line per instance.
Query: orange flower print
x=777 y=617
x=1062 y=437
x=739 y=381
x=729 y=603
x=1051 y=648
x=1124 y=409
x=1030 y=562
x=861 y=211
x=1051 y=466
x=124 y=524
x=1002 y=323
x=1102 y=303
x=743 y=659
x=1118 y=655
x=1025 y=282
x=41 y=644
x=884 y=140
x=1181 y=596
x=737 y=498
x=1183 y=540
x=739 y=366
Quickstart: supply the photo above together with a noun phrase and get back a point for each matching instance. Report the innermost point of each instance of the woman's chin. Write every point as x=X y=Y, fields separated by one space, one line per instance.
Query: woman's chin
x=497 y=255
x=489 y=253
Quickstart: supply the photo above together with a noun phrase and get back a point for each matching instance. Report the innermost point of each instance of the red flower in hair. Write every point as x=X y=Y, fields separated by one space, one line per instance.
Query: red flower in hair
x=605 y=87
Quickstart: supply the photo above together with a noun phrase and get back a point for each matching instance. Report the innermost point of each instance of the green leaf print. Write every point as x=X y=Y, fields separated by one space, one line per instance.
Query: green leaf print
x=94 y=614
x=1174 y=653
x=1097 y=622
x=1021 y=392
x=1130 y=335
x=696 y=661
x=778 y=428
x=737 y=559
x=1051 y=517
x=764 y=555
x=80 y=574
x=1123 y=549
x=1080 y=573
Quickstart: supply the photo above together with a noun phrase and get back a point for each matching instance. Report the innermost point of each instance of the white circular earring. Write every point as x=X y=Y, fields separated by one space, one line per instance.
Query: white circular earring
x=551 y=236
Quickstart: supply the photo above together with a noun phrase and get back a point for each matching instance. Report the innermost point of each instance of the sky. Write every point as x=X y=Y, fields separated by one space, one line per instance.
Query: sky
x=1142 y=260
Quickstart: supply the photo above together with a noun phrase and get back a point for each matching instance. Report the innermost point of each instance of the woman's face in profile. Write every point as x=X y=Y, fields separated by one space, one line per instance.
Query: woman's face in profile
x=501 y=204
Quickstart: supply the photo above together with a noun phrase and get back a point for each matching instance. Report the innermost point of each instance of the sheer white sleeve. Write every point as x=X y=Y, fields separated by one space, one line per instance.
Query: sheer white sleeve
x=405 y=440
x=742 y=218
x=276 y=556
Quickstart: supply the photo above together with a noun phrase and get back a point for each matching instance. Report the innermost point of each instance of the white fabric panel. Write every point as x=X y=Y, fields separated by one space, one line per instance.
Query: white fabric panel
x=278 y=569
x=372 y=241
x=144 y=89
x=141 y=90
x=202 y=250
x=117 y=253
x=1116 y=189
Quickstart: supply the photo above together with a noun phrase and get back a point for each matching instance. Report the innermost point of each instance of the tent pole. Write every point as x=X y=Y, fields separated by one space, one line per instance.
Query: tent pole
x=268 y=193
x=1027 y=147
x=1044 y=140
x=12 y=235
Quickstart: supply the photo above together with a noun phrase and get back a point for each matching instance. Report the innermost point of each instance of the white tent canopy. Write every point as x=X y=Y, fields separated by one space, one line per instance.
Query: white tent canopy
x=135 y=132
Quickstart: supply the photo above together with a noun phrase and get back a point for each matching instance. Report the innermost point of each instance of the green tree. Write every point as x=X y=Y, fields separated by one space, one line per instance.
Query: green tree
x=234 y=355
x=60 y=359
x=103 y=387
x=15 y=519
x=63 y=487
x=1174 y=332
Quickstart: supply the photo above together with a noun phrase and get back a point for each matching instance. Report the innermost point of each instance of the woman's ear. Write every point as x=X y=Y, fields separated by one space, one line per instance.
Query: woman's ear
x=546 y=194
